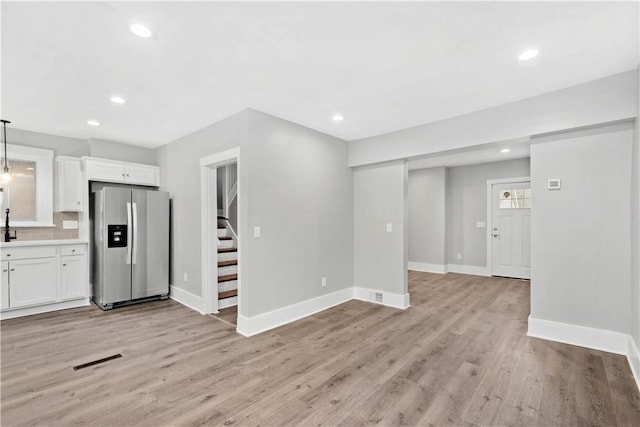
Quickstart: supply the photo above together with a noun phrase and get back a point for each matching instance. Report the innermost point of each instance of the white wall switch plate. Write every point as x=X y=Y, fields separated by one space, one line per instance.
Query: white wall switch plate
x=480 y=224
x=70 y=225
x=553 y=184
x=257 y=232
x=389 y=227
x=324 y=282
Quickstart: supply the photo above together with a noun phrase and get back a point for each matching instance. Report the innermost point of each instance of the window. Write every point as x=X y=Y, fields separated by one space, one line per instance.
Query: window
x=515 y=199
x=29 y=194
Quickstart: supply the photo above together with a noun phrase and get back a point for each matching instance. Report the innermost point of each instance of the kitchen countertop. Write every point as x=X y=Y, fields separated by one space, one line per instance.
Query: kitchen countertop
x=19 y=243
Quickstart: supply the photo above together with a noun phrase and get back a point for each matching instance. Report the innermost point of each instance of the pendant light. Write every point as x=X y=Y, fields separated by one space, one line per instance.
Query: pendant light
x=6 y=176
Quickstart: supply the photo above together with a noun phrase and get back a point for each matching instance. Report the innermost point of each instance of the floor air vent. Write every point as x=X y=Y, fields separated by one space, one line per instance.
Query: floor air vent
x=95 y=362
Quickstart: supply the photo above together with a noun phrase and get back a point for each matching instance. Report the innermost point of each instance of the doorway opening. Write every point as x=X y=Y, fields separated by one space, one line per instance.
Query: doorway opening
x=221 y=249
x=509 y=227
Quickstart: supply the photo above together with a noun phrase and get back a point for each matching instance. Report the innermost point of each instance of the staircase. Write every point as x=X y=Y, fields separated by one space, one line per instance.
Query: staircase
x=227 y=267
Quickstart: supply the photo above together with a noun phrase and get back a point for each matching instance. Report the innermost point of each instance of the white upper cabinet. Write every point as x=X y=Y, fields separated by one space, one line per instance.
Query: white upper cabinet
x=142 y=174
x=69 y=194
x=122 y=172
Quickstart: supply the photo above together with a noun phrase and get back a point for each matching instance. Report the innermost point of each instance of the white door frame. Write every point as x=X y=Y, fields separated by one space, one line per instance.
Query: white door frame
x=209 y=224
x=490 y=184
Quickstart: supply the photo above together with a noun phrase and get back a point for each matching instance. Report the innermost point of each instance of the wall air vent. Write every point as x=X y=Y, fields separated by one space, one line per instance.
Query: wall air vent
x=378 y=296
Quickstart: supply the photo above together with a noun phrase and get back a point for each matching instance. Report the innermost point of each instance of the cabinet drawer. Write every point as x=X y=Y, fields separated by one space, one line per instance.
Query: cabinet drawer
x=73 y=250
x=9 y=254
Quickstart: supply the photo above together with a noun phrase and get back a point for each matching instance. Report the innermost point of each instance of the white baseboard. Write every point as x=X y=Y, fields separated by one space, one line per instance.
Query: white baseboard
x=388 y=298
x=39 y=309
x=426 y=267
x=633 y=356
x=186 y=298
x=249 y=326
x=449 y=268
x=468 y=269
x=583 y=336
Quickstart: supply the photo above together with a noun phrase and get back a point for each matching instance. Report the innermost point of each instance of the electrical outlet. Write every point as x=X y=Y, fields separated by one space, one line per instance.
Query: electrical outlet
x=324 y=282
x=459 y=256
x=186 y=277
x=389 y=227
x=257 y=232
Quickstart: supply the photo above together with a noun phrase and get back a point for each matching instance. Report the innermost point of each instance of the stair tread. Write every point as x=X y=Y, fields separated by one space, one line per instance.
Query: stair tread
x=228 y=294
x=221 y=250
x=227 y=277
x=227 y=263
x=225 y=238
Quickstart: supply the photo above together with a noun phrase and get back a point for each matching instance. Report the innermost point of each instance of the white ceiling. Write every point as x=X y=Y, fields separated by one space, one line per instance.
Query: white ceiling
x=384 y=66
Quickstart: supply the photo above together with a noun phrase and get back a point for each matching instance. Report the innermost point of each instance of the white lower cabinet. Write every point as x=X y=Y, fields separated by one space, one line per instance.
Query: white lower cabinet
x=4 y=285
x=31 y=282
x=41 y=278
x=73 y=277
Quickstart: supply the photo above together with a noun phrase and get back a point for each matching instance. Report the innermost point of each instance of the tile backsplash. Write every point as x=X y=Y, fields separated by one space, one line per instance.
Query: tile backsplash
x=49 y=233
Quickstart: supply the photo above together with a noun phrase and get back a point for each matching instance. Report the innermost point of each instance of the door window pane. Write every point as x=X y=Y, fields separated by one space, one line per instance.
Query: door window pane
x=515 y=199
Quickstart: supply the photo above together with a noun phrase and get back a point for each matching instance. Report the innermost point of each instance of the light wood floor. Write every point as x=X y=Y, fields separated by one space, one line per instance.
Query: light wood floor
x=459 y=356
x=229 y=314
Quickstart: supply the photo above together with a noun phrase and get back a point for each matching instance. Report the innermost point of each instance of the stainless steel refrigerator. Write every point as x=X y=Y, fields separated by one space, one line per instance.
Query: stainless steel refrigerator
x=130 y=246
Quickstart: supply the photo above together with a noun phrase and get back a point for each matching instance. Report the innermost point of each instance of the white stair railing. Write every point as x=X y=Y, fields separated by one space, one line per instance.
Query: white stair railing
x=231 y=186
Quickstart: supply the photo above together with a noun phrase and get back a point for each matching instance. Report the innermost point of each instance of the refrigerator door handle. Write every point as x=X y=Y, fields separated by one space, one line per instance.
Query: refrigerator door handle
x=135 y=231
x=129 y=233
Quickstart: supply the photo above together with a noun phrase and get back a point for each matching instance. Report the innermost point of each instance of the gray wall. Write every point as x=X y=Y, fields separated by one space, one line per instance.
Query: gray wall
x=380 y=197
x=121 y=152
x=298 y=188
x=600 y=101
x=179 y=163
x=635 y=235
x=61 y=145
x=295 y=185
x=427 y=215
x=76 y=147
x=580 y=249
x=467 y=204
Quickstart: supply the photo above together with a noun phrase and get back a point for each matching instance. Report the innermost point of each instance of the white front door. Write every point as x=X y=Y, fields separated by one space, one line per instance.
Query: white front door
x=510 y=231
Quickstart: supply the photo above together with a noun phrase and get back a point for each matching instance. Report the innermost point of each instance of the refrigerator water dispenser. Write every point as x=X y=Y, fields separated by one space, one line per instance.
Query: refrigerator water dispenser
x=117 y=236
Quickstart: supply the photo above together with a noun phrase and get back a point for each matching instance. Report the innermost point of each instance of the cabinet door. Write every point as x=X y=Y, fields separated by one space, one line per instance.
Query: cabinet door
x=104 y=171
x=4 y=284
x=73 y=277
x=141 y=174
x=69 y=197
x=32 y=282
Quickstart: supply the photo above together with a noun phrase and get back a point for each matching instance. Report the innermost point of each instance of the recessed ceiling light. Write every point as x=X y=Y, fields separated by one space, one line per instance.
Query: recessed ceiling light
x=528 y=54
x=117 y=99
x=337 y=118
x=93 y=123
x=140 y=30
x=505 y=150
